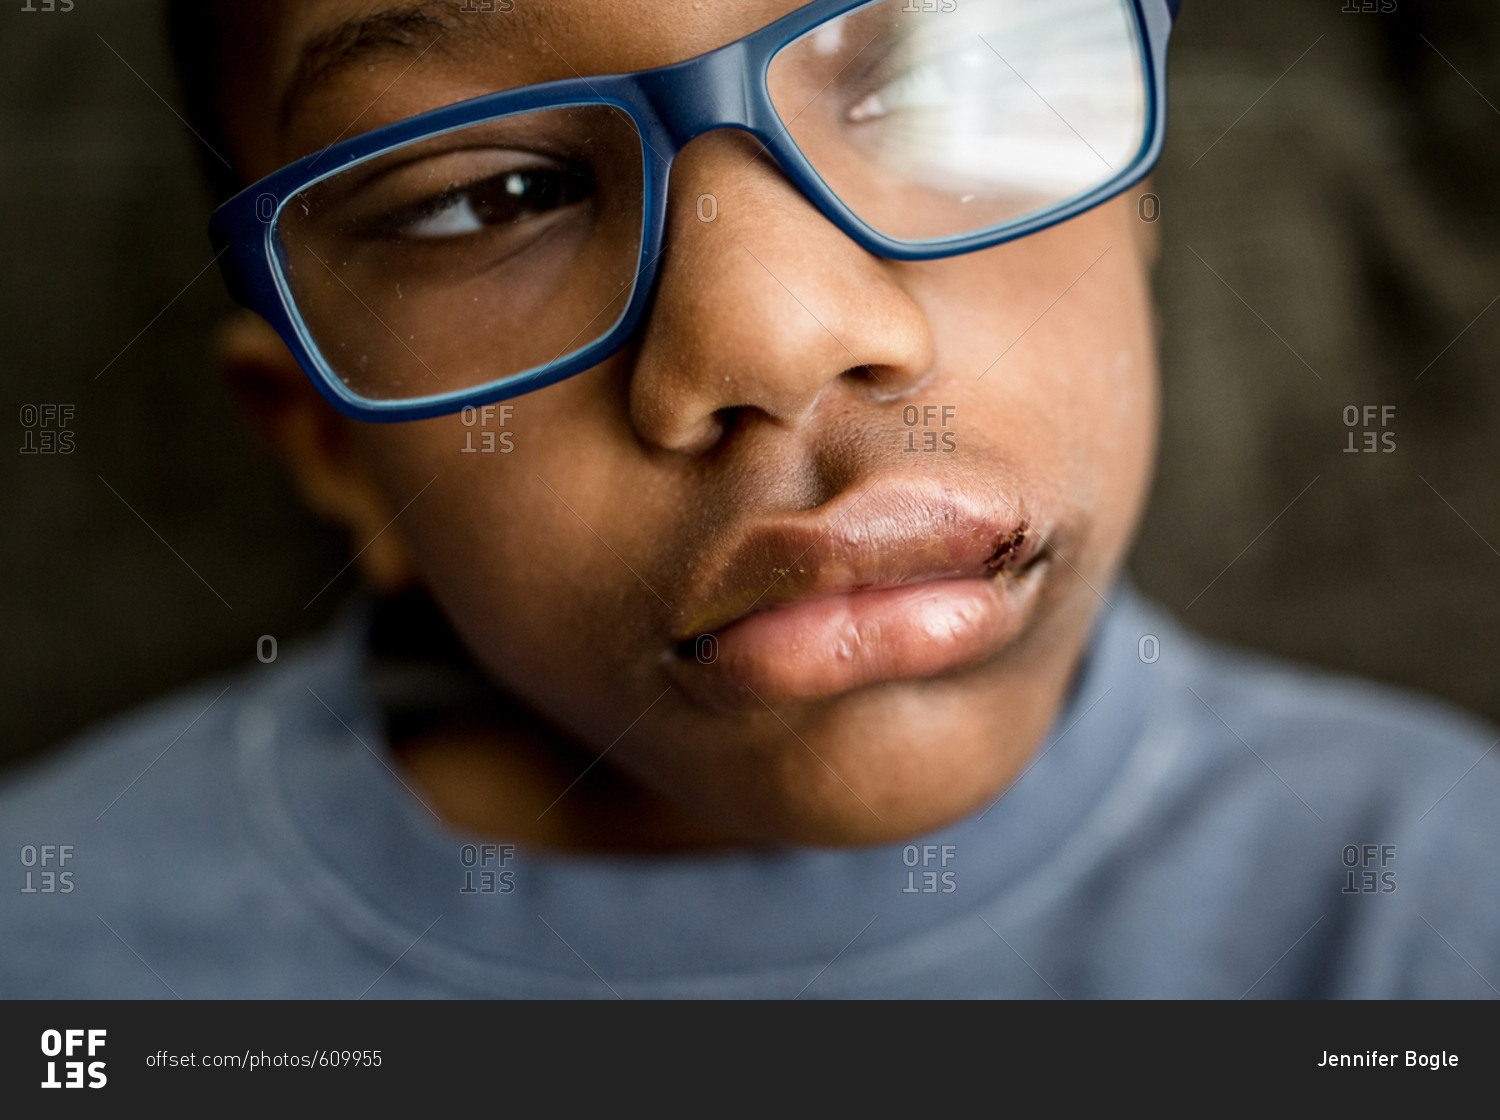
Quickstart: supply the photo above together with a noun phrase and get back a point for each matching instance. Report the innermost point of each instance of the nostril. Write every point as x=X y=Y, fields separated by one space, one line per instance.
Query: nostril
x=728 y=418
x=884 y=383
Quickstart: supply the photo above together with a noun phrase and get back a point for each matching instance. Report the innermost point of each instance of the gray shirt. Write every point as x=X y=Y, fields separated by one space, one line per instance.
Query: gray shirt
x=1199 y=822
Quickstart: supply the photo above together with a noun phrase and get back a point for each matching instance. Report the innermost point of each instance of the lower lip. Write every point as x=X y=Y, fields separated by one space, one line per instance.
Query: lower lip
x=819 y=648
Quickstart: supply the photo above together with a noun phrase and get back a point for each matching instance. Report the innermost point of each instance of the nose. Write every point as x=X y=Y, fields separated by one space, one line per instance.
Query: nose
x=764 y=310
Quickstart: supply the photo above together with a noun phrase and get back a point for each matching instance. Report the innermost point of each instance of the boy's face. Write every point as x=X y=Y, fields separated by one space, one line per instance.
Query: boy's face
x=892 y=492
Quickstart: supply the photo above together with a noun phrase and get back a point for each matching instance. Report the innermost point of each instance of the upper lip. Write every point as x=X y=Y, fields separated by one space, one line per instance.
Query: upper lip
x=892 y=532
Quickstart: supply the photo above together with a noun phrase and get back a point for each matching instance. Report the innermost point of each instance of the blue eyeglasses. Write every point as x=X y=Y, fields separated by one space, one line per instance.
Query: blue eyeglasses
x=492 y=247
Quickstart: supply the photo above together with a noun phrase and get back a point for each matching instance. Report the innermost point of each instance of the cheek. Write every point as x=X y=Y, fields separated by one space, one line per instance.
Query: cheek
x=514 y=530
x=1099 y=387
x=1046 y=346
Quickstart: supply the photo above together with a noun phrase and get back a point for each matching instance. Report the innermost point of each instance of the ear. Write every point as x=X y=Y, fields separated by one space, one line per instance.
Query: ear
x=317 y=445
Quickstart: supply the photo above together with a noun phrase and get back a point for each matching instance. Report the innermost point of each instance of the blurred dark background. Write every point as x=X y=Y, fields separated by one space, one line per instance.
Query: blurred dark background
x=1330 y=214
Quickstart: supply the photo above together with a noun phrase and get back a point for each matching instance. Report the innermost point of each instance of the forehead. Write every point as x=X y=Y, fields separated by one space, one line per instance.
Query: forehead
x=288 y=64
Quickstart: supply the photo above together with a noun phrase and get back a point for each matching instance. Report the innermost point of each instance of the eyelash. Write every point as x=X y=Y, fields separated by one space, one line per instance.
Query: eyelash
x=559 y=187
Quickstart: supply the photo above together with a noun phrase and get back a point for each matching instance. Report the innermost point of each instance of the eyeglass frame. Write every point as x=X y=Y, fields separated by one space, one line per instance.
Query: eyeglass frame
x=670 y=106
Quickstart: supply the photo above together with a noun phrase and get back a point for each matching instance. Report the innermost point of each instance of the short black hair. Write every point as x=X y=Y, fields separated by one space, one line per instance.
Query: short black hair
x=193 y=35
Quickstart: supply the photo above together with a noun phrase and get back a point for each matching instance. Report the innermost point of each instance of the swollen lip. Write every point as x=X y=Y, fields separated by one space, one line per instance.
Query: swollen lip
x=821 y=646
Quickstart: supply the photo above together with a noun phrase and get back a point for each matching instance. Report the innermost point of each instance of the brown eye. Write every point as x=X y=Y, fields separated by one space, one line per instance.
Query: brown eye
x=504 y=199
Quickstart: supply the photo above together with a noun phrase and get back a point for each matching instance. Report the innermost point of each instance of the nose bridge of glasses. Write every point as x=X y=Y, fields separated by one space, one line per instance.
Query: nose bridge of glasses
x=705 y=93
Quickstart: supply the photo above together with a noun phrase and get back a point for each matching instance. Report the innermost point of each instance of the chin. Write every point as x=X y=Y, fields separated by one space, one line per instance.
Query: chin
x=881 y=765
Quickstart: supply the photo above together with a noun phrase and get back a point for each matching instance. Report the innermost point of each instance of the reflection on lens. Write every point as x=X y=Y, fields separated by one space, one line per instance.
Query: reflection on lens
x=468 y=258
x=933 y=123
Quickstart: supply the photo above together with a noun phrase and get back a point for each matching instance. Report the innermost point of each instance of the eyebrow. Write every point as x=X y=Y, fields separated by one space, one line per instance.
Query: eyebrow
x=400 y=30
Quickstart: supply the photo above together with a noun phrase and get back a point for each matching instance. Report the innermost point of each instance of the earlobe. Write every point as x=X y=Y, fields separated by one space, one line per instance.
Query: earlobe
x=315 y=443
x=260 y=372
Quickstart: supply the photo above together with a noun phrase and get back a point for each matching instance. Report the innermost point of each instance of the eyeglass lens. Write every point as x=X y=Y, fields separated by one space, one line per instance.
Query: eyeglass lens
x=934 y=118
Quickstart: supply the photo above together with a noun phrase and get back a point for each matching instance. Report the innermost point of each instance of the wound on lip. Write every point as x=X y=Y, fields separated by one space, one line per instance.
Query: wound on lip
x=1007 y=549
